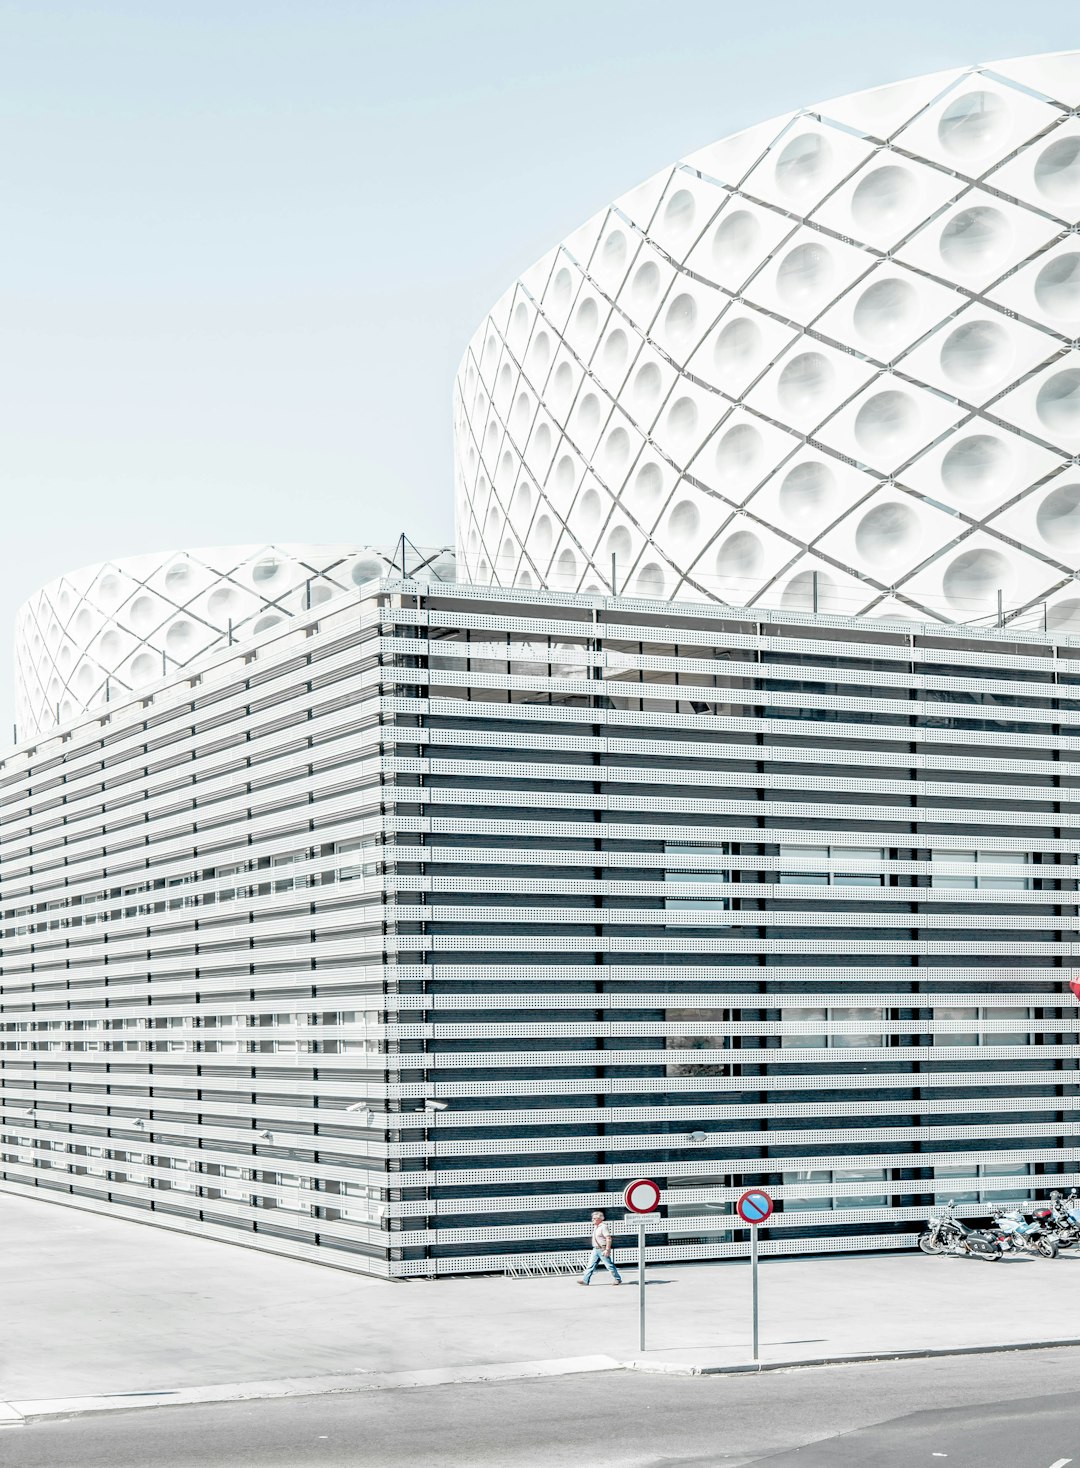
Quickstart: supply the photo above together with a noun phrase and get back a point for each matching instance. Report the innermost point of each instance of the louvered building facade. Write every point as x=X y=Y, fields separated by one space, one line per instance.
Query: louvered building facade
x=403 y=938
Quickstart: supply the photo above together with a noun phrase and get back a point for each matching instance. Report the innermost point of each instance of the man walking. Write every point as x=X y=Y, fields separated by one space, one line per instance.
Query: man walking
x=601 y=1254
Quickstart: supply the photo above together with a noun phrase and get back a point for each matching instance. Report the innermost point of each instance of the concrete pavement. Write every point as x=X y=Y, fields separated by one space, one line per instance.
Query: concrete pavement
x=105 y=1312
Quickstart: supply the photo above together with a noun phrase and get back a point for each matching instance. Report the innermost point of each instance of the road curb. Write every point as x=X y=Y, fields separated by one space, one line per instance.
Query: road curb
x=15 y=1413
x=923 y=1353
x=18 y=1413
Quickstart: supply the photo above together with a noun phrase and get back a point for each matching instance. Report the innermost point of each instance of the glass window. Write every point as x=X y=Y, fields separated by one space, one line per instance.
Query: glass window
x=814 y=1037
x=955 y=1026
x=816 y=1196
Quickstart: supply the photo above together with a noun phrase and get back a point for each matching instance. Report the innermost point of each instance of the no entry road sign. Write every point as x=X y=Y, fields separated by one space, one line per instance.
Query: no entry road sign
x=754 y=1206
x=642 y=1196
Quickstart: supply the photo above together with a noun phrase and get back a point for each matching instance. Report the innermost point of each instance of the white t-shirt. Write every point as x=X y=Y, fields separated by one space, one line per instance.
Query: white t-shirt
x=601 y=1236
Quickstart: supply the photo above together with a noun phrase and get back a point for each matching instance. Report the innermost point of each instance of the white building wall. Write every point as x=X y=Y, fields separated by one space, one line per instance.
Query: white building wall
x=830 y=361
x=705 y=897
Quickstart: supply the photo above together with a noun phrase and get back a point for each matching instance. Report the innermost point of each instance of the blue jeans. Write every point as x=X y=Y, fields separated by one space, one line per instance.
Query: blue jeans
x=607 y=1261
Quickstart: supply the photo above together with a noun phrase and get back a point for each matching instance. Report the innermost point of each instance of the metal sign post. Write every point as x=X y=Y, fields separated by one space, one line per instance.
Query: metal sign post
x=754 y=1208
x=641 y=1198
x=641 y=1282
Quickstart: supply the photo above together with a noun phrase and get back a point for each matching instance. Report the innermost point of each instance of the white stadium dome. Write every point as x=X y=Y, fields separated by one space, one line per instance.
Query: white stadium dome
x=112 y=628
x=830 y=363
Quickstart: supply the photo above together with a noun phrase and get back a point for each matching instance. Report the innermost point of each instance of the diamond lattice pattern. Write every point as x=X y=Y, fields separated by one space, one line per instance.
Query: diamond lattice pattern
x=832 y=363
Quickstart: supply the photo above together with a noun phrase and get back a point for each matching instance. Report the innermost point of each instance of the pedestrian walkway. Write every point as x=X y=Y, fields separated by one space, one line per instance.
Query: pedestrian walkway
x=97 y=1307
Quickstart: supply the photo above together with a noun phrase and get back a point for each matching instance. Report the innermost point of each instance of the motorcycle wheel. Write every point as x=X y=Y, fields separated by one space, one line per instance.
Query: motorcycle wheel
x=927 y=1244
x=982 y=1248
x=1048 y=1248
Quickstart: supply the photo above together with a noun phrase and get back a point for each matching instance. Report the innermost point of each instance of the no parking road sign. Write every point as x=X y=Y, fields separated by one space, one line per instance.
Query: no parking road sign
x=754 y=1206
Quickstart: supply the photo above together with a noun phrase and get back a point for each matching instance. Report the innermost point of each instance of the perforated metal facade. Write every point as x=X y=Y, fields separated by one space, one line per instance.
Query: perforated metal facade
x=407 y=937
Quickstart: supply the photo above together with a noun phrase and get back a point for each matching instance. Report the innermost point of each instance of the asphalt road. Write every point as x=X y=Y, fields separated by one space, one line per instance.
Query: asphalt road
x=1016 y=1410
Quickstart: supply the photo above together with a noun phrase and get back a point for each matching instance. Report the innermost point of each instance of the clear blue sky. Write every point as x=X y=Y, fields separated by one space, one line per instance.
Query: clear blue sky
x=244 y=242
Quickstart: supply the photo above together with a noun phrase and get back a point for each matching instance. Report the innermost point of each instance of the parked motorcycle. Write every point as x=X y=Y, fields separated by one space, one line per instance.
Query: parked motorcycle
x=1014 y=1231
x=1061 y=1220
x=947 y=1235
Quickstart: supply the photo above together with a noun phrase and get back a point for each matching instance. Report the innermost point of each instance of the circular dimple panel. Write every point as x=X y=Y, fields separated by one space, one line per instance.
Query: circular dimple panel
x=567 y=569
x=735 y=239
x=1057 y=171
x=141 y=613
x=974 y=123
x=615 y=351
x=267 y=623
x=613 y=252
x=885 y=420
x=522 y=504
x=646 y=285
x=565 y=476
x=739 y=454
x=589 y=509
x=562 y=288
x=977 y=466
x=976 y=353
x=109 y=590
x=798 y=594
x=806 y=383
x=1057 y=287
x=111 y=645
x=883 y=197
x=180 y=638
x=740 y=560
x=1058 y=517
x=1064 y=616
x=650 y=580
x=738 y=345
x=648 y=385
x=886 y=312
x=682 y=421
x=365 y=568
x=802 y=164
x=646 y=491
x=616 y=451
x=589 y=412
x=680 y=320
x=974 y=578
x=806 y=491
x=143 y=667
x=619 y=543
x=178 y=580
x=804 y=274
x=587 y=317
x=679 y=212
x=975 y=239
x=268 y=571
x=683 y=524
x=562 y=384
x=542 y=535
x=1058 y=402
x=888 y=534
x=540 y=353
